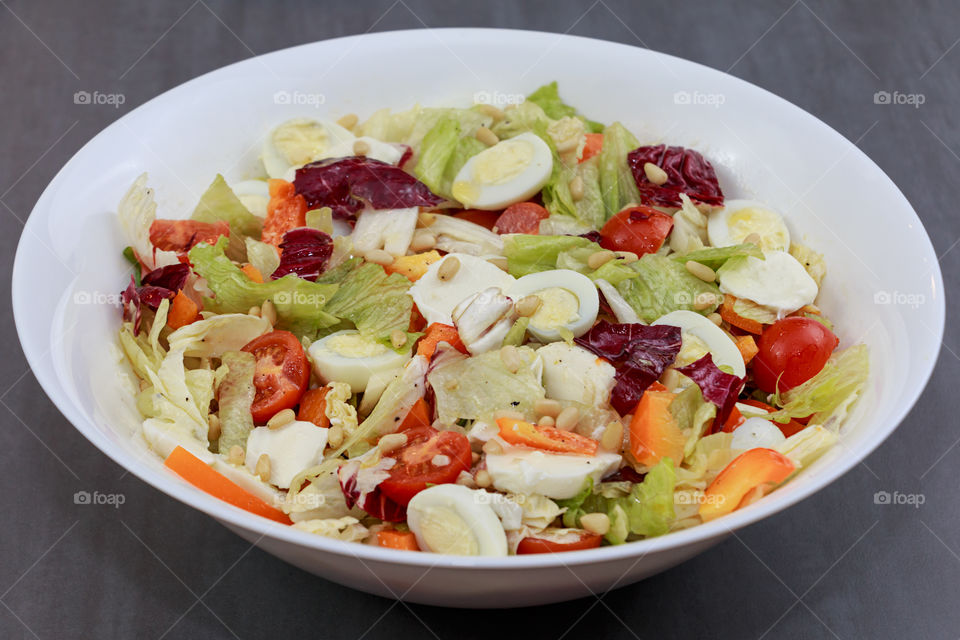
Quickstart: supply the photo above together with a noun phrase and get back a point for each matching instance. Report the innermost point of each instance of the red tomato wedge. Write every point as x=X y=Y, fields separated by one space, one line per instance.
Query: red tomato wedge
x=429 y=457
x=788 y=429
x=791 y=351
x=281 y=376
x=522 y=217
x=592 y=147
x=537 y=436
x=286 y=210
x=182 y=235
x=639 y=229
x=559 y=540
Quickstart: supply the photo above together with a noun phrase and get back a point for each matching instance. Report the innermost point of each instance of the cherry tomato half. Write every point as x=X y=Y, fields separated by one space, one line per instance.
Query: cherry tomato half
x=429 y=457
x=281 y=376
x=522 y=217
x=792 y=350
x=557 y=540
x=639 y=229
x=182 y=235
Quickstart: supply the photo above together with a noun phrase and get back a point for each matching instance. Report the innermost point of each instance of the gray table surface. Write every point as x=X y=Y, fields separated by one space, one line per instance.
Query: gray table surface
x=836 y=565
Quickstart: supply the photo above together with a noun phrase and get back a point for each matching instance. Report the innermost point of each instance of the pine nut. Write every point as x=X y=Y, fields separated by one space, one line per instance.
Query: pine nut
x=348 y=121
x=281 y=419
x=486 y=136
x=715 y=319
x=335 y=436
x=391 y=442
x=423 y=241
x=425 y=219
x=704 y=301
x=236 y=455
x=612 y=438
x=492 y=448
x=598 y=523
x=448 y=268
x=528 y=305
x=379 y=256
x=268 y=311
x=576 y=188
x=361 y=148
x=398 y=338
x=627 y=256
x=254 y=311
x=546 y=421
x=500 y=262
x=568 y=419
x=701 y=271
x=509 y=414
x=466 y=480
x=547 y=407
x=483 y=479
x=655 y=174
x=262 y=470
x=213 y=427
x=753 y=238
x=474 y=457
x=372 y=459
x=491 y=111
x=600 y=258
x=511 y=358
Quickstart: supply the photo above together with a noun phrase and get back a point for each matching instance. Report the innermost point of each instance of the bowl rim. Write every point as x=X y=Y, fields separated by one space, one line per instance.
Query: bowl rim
x=232 y=516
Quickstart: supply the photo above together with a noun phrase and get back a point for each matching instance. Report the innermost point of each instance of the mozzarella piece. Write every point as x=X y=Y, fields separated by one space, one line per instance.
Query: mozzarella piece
x=739 y=218
x=296 y=142
x=291 y=448
x=387 y=229
x=452 y=519
x=756 y=432
x=347 y=356
x=569 y=302
x=574 y=374
x=254 y=194
x=553 y=475
x=779 y=282
x=700 y=336
x=436 y=298
x=510 y=171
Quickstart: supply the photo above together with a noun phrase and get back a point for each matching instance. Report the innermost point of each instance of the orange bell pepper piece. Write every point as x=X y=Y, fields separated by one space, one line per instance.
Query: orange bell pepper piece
x=654 y=433
x=537 y=436
x=763 y=468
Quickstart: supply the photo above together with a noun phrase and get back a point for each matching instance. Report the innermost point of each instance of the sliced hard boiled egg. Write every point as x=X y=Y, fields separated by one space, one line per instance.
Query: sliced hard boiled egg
x=347 y=356
x=436 y=298
x=568 y=302
x=296 y=142
x=291 y=448
x=254 y=195
x=739 y=218
x=779 y=282
x=700 y=336
x=756 y=432
x=373 y=148
x=573 y=373
x=510 y=171
x=455 y=520
x=557 y=476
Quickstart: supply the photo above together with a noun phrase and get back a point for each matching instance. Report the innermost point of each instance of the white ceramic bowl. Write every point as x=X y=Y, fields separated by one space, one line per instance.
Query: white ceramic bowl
x=884 y=285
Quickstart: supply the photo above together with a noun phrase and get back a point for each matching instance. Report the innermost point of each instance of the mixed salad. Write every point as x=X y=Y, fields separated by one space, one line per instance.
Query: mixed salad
x=479 y=331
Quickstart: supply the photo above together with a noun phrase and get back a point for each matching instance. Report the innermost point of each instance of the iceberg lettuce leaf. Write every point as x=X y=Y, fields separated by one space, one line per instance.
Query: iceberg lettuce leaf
x=665 y=285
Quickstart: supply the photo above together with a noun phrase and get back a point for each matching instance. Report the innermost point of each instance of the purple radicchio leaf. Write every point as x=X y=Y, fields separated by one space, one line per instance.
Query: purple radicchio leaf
x=719 y=387
x=347 y=185
x=304 y=252
x=156 y=286
x=638 y=352
x=687 y=172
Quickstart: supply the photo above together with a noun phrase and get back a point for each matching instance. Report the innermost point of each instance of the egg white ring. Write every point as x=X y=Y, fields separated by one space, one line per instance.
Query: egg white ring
x=582 y=288
x=721 y=347
x=718 y=231
x=330 y=365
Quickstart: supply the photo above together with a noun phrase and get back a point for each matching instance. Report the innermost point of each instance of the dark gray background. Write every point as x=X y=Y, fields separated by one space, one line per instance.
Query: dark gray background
x=837 y=565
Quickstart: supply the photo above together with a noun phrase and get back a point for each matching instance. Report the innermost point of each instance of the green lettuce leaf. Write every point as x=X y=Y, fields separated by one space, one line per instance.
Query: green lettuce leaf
x=466 y=148
x=616 y=180
x=521 y=118
x=547 y=98
x=235 y=397
x=556 y=192
x=533 y=253
x=693 y=415
x=590 y=208
x=438 y=146
x=517 y=332
x=300 y=303
x=219 y=202
x=715 y=257
x=665 y=285
x=376 y=303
